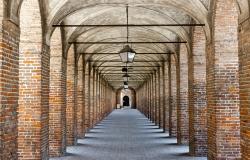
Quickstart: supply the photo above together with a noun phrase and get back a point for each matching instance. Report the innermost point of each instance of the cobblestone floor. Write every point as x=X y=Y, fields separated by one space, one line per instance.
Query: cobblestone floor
x=127 y=135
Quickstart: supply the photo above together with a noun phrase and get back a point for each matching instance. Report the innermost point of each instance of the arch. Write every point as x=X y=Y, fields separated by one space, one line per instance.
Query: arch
x=126 y=101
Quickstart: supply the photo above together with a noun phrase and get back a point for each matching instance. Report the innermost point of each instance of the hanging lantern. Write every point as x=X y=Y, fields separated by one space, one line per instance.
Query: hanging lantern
x=127 y=54
x=125 y=85
x=126 y=77
x=124 y=69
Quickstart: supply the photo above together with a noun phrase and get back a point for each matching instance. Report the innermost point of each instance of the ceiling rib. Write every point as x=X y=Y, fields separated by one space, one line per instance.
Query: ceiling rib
x=125 y=66
x=155 y=42
x=115 y=61
x=129 y=25
x=118 y=53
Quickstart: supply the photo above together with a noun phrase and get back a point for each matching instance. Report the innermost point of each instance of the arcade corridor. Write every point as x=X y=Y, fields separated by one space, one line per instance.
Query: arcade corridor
x=71 y=69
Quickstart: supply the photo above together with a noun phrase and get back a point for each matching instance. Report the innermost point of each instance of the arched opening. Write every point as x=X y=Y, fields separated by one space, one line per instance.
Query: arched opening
x=126 y=101
x=126 y=98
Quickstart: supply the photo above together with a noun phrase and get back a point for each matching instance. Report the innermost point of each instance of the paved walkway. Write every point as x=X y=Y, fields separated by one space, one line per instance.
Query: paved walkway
x=127 y=135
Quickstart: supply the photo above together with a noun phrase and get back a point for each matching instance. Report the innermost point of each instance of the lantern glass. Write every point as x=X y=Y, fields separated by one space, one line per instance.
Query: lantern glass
x=125 y=86
x=127 y=54
x=126 y=77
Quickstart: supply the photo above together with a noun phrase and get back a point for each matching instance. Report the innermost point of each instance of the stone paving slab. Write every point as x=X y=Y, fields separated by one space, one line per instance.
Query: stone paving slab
x=127 y=135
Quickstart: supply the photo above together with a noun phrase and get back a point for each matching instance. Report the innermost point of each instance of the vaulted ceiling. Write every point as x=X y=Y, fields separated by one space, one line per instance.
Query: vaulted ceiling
x=99 y=12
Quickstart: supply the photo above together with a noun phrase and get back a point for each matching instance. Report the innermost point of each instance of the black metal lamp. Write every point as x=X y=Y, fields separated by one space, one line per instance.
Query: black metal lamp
x=126 y=77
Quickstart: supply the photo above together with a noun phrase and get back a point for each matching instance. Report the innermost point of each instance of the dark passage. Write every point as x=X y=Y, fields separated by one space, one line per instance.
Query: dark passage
x=126 y=101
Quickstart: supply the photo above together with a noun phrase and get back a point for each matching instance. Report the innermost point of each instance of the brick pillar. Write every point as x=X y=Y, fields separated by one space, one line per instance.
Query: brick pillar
x=172 y=106
x=182 y=96
x=101 y=105
x=104 y=99
x=158 y=79
x=155 y=99
x=197 y=95
x=101 y=98
x=166 y=94
x=80 y=97
x=71 y=109
x=152 y=97
x=148 y=99
x=90 y=96
x=163 y=95
x=244 y=59
x=57 y=97
x=98 y=97
x=223 y=83
x=9 y=39
x=92 y=91
x=33 y=109
x=86 y=96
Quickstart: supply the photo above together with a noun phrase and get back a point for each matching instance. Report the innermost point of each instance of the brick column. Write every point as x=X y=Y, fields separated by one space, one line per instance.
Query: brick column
x=91 y=90
x=197 y=95
x=152 y=97
x=182 y=96
x=163 y=97
x=57 y=97
x=94 y=98
x=172 y=107
x=87 y=126
x=80 y=97
x=33 y=109
x=98 y=97
x=155 y=99
x=148 y=99
x=71 y=109
x=158 y=79
x=166 y=94
x=244 y=59
x=223 y=83
x=9 y=39
x=101 y=105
